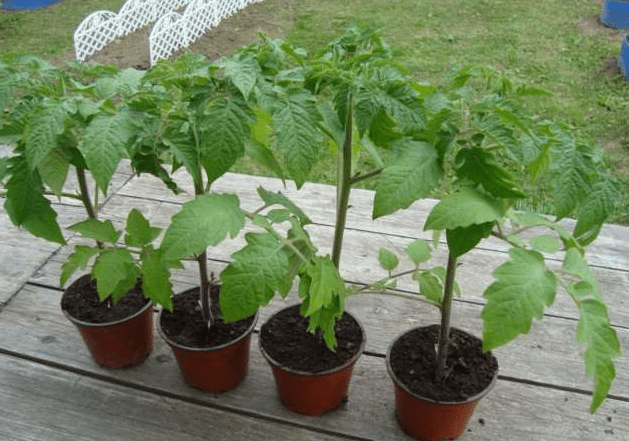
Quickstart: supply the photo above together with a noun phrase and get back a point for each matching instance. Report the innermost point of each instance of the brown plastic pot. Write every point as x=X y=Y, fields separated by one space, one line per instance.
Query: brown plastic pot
x=125 y=342
x=427 y=419
x=216 y=369
x=313 y=394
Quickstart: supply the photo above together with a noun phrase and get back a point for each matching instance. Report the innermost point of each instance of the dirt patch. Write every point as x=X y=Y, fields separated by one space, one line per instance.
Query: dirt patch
x=273 y=17
x=593 y=26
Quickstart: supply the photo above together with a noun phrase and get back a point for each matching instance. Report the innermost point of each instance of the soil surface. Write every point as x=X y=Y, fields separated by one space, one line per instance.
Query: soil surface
x=185 y=325
x=413 y=359
x=81 y=301
x=286 y=339
x=273 y=17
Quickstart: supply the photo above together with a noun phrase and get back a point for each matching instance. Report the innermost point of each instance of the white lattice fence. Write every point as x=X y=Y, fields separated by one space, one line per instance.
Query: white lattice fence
x=93 y=34
x=172 y=31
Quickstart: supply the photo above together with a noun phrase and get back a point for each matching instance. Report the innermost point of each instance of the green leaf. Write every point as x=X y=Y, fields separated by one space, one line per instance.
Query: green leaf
x=77 y=260
x=602 y=346
x=387 y=259
x=463 y=208
x=105 y=143
x=278 y=198
x=430 y=286
x=522 y=289
x=224 y=131
x=25 y=202
x=179 y=139
x=462 y=239
x=544 y=244
x=243 y=70
x=4 y=167
x=202 y=222
x=253 y=276
x=264 y=156
x=155 y=273
x=409 y=177
x=525 y=90
x=115 y=273
x=574 y=263
x=41 y=131
x=53 y=169
x=139 y=231
x=480 y=167
x=297 y=134
x=418 y=251
x=102 y=231
x=600 y=202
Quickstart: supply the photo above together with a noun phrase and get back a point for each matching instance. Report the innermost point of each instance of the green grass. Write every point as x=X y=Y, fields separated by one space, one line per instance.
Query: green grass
x=554 y=44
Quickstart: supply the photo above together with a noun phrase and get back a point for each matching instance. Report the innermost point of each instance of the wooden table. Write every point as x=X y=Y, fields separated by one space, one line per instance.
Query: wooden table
x=51 y=389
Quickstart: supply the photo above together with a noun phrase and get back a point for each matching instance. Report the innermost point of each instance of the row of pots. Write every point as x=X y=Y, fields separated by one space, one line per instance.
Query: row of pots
x=218 y=369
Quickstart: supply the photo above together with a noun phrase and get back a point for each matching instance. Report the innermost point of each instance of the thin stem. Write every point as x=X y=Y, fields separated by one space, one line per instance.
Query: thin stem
x=85 y=194
x=362 y=177
x=206 y=310
x=446 y=311
x=344 y=186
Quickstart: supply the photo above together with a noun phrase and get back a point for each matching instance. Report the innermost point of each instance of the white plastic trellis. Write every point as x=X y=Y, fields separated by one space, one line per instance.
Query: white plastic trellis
x=93 y=34
x=172 y=31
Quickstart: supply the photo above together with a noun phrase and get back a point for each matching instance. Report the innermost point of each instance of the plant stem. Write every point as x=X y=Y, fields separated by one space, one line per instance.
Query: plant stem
x=85 y=194
x=206 y=311
x=344 y=185
x=446 y=311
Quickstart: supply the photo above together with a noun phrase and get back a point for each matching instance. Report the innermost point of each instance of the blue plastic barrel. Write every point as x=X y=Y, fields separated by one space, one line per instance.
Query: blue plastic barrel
x=18 y=5
x=623 y=59
x=615 y=14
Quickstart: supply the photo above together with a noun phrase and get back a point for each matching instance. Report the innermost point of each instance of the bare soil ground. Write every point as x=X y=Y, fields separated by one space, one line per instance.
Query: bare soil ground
x=274 y=17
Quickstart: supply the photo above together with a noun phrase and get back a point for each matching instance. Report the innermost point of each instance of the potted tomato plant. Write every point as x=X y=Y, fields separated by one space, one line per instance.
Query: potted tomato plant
x=198 y=115
x=70 y=120
x=485 y=151
x=352 y=95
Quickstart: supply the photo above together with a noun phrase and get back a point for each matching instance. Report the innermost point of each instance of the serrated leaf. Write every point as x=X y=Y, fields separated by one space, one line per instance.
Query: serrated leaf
x=600 y=202
x=115 y=273
x=463 y=208
x=26 y=205
x=102 y=231
x=53 y=169
x=544 y=244
x=387 y=259
x=253 y=276
x=523 y=287
x=224 y=131
x=243 y=70
x=264 y=156
x=409 y=177
x=155 y=273
x=574 y=263
x=297 y=134
x=430 y=286
x=41 y=131
x=104 y=144
x=602 y=346
x=278 y=198
x=77 y=260
x=418 y=251
x=462 y=239
x=138 y=230
x=480 y=167
x=179 y=139
x=202 y=222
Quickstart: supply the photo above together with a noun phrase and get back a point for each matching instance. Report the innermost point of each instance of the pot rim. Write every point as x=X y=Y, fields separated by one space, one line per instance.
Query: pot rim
x=172 y=343
x=85 y=324
x=399 y=383
x=349 y=362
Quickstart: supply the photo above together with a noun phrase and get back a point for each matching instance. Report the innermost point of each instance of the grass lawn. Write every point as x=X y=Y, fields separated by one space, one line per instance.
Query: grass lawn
x=554 y=44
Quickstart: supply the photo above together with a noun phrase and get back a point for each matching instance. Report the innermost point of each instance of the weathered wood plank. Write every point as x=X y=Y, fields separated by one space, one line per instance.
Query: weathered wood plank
x=610 y=250
x=548 y=355
x=525 y=411
x=359 y=260
x=38 y=402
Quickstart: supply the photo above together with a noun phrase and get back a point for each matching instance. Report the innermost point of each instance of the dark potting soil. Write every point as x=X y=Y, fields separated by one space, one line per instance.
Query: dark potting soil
x=413 y=359
x=185 y=325
x=286 y=339
x=81 y=301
